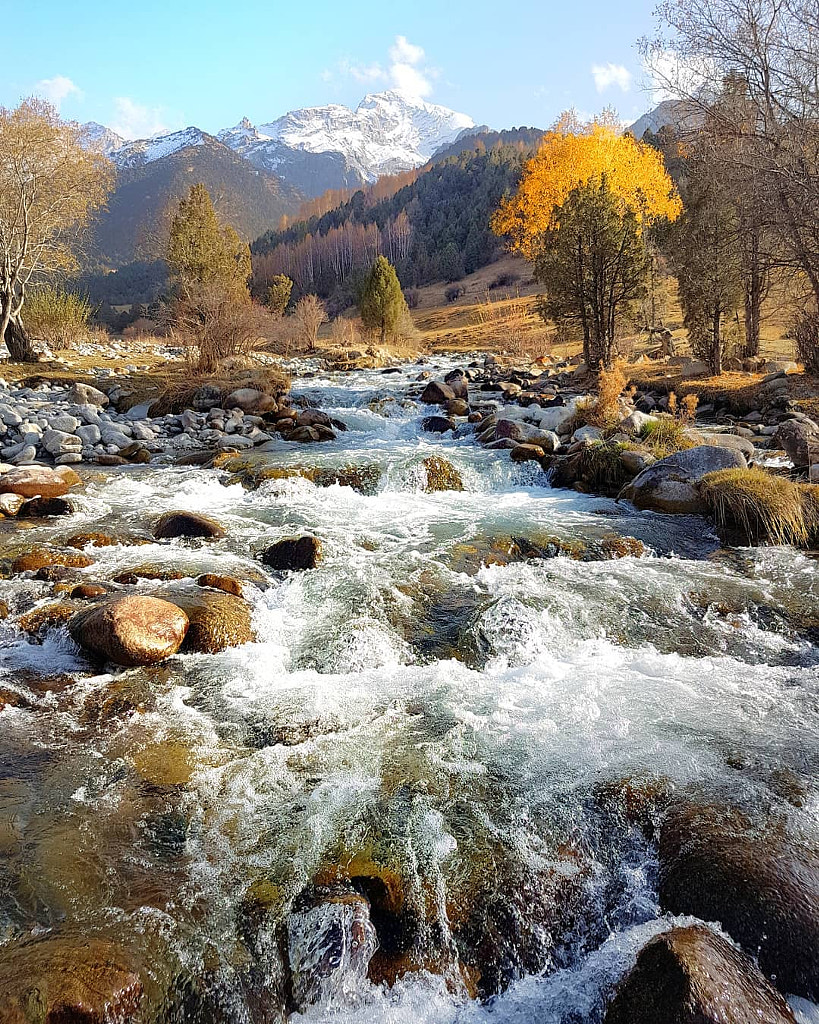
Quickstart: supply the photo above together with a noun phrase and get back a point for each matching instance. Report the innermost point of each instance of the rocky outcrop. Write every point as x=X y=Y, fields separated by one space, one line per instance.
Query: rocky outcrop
x=761 y=884
x=670 y=485
x=693 y=976
x=187 y=524
x=293 y=554
x=132 y=630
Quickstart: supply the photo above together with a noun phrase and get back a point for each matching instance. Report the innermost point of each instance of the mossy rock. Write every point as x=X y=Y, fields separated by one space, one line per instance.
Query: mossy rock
x=167 y=762
x=252 y=471
x=441 y=475
x=147 y=572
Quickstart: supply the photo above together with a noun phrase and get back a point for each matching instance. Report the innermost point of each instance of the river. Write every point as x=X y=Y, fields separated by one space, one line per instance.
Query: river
x=452 y=735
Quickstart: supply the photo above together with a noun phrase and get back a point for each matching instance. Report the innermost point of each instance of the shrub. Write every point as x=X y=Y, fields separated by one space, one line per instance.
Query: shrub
x=604 y=411
x=503 y=281
x=751 y=506
x=454 y=292
x=665 y=436
x=214 y=324
x=346 y=333
x=412 y=297
x=57 y=316
x=307 y=317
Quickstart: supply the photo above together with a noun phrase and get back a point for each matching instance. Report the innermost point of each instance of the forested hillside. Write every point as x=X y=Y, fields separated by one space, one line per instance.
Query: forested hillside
x=435 y=228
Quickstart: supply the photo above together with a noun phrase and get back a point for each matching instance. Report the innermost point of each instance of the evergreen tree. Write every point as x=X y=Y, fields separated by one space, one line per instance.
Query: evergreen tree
x=201 y=252
x=593 y=264
x=278 y=293
x=382 y=301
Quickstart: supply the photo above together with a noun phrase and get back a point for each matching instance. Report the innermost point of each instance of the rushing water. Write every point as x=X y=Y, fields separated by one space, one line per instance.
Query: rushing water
x=448 y=734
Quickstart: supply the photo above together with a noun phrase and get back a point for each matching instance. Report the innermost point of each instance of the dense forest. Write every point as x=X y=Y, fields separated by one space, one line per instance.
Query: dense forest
x=436 y=228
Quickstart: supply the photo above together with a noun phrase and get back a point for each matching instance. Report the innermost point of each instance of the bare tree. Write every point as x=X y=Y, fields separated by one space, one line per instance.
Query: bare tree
x=307 y=317
x=49 y=185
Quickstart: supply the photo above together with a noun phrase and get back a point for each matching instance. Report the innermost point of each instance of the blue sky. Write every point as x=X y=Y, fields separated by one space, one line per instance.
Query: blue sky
x=152 y=65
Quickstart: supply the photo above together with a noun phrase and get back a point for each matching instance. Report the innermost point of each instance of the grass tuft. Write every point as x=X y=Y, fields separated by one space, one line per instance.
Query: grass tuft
x=751 y=506
x=665 y=436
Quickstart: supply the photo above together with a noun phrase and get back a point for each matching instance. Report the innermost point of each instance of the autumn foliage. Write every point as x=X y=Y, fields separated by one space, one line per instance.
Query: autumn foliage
x=571 y=155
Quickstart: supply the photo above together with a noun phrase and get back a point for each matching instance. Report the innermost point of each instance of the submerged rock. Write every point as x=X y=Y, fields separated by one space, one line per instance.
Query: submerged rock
x=761 y=884
x=187 y=524
x=693 y=976
x=293 y=554
x=437 y=424
x=441 y=475
x=670 y=485
x=67 y=980
x=39 y=557
x=132 y=630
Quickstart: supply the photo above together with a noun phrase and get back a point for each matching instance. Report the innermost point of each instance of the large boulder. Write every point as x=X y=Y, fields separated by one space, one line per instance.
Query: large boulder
x=250 y=400
x=132 y=630
x=693 y=976
x=670 y=485
x=187 y=524
x=39 y=481
x=800 y=439
x=436 y=393
x=761 y=884
x=293 y=554
x=67 y=980
x=218 y=620
x=85 y=394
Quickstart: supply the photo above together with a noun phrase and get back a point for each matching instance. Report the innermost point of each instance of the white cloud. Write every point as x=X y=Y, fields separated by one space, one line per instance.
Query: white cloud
x=406 y=71
x=670 y=77
x=607 y=75
x=56 y=89
x=135 y=121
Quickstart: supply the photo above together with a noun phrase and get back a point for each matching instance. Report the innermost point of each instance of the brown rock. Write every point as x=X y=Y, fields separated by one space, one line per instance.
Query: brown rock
x=39 y=481
x=87 y=591
x=527 y=453
x=457 y=407
x=761 y=884
x=437 y=424
x=217 y=620
x=134 y=630
x=38 y=558
x=187 y=524
x=304 y=434
x=436 y=393
x=293 y=554
x=693 y=976
x=40 y=508
x=226 y=583
x=66 y=980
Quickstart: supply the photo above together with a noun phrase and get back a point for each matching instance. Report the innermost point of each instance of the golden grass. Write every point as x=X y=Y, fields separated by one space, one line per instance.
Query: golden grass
x=751 y=506
x=604 y=411
x=665 y=436
x=178 y=384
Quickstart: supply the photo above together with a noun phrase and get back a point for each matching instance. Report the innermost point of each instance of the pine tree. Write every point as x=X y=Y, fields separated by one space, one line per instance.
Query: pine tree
x=278 y=293
x=201 y=252
x=382 y=301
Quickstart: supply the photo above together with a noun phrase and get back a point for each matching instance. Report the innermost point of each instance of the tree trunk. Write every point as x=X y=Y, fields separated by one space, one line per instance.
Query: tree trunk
x=18 y=343
x=754 y=286
x=716 y=343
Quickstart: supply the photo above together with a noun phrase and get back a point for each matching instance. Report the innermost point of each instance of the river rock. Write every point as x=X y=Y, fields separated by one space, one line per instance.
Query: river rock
x=436 y=393
x=85 y=394
x=636 y=422
x=133 y=630
x=456 y=381
x=10 y=504
x=39 y=481
x=800 y=439
x=526 y=453
x=670 y=484
x=437 y=424
x=508 y=428
x=293 y=554
x=40 y=508
x=313 y=418
x=207 y=397
x=693 y=976
x=250 y=400
x=58 y=442
x=723 y=440
x=218 y=620
x=187 y=524
x=66 y=980
x=761 y=884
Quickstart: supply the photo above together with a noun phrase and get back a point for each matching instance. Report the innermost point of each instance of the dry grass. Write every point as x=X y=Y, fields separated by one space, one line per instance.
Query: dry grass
x=179 y=384
x=751 y=506
x=665 y=436
x=604 y=411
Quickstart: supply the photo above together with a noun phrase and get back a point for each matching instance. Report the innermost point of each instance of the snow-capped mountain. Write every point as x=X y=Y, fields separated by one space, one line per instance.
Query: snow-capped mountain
x=145 y=151
x=97 y=136
x=387 y=132
x=318 y=147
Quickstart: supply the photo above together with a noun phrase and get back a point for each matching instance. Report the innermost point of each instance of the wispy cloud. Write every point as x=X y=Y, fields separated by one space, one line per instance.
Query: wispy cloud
x=406 y=70
x=136 y=121
x=608 y=75
x=57 y=89
x=669 y=76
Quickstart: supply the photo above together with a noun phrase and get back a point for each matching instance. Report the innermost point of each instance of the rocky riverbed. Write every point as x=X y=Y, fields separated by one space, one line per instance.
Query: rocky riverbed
x=444 y=712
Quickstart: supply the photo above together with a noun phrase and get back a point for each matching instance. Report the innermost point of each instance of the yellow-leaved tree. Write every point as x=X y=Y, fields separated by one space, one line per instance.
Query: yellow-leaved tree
x=579 y=215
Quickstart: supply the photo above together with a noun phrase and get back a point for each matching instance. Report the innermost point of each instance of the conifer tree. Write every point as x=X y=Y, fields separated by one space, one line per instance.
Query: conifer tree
x=278 y=293
x=382 y=301
x=202 y=252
